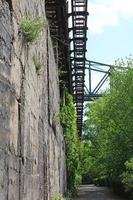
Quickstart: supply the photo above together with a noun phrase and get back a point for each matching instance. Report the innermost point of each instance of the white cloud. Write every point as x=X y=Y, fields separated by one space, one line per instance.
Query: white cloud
x=105 y=13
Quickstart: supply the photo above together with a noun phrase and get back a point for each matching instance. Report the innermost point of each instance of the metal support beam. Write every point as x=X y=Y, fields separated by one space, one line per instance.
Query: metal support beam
x=57 y=15
x=95 y=66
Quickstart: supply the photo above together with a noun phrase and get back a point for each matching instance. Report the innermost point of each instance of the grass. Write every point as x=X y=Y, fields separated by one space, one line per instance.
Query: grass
x=32 y=27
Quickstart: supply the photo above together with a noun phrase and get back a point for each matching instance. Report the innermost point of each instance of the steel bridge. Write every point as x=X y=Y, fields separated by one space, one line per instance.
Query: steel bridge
x=70 y=52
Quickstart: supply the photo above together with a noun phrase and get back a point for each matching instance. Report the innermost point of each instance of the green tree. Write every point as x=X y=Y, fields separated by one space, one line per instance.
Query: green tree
x=110 y=124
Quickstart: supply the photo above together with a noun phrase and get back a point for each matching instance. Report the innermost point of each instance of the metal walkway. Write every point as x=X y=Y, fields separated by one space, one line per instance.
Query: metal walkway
x=79 y=65
x=78 y=33
x=70 y=52
x=57 y=15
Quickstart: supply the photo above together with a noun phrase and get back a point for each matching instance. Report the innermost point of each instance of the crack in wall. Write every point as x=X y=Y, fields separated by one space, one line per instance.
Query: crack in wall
x=48 y=86
x=19 y=145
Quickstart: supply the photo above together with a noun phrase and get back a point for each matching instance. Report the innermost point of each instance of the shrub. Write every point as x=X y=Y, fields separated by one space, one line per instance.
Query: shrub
x=127 y=177
x=32 y=27
x=59 y=197
x=68 y=119
x=36 y=60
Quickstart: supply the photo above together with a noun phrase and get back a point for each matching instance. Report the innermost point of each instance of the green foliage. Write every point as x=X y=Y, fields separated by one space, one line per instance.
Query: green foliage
x=56 y=119
x=86 y=159
x=110 y=129
x=32 y=27
x=68 y=118
x=62 y=72
x=127 y=176
x=37 y=62
x=59 y=197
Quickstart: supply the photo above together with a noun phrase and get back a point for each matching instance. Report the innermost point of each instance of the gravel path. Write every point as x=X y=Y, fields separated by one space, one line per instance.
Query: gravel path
x=91 y=192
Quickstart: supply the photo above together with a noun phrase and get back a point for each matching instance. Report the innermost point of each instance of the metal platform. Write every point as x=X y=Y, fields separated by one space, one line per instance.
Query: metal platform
x=78 y=34
x=57 y=15
x=70 y=52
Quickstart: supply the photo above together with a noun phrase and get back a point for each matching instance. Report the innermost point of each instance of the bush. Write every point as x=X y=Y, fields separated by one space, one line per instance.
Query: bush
x=68 y=119
x=59 y=197
x=127 y=177
x=32 y=27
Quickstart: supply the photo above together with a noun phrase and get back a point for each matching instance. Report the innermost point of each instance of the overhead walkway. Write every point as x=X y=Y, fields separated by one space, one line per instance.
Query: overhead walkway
x=70 y=52
x=78 y=34
x=57 y=15
x=79 y=66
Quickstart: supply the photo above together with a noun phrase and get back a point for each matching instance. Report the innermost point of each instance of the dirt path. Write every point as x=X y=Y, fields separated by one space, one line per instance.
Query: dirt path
x=91 y=192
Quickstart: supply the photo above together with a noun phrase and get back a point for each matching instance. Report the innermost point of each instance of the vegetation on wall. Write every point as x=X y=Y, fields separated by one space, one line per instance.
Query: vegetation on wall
x=68 y=120
x=37 y=61
x=32 y=27
x=59 y=197
x=108 y=133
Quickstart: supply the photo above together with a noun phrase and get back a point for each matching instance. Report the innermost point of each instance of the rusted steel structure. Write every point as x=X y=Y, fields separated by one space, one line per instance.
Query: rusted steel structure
x=70 y=48
x=70 y=51
x=57 y=15
x=78 y=38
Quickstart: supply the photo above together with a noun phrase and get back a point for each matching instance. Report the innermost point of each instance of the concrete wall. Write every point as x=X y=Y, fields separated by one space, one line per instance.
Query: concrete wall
x=32 y=158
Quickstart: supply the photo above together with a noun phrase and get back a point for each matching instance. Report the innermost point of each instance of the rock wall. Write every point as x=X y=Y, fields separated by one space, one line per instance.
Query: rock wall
x=32 y=150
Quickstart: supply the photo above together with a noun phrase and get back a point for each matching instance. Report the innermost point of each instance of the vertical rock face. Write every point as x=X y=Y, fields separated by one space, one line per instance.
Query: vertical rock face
x=32 y=151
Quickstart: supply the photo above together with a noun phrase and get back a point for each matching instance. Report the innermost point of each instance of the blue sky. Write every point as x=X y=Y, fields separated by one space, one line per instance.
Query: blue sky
x=110 y=32
x=113 y=43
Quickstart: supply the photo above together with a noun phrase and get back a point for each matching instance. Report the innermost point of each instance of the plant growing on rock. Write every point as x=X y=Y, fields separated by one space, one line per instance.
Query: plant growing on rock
x=59 y=197
x=62 y=72
x=32 y=27
x=37 y=62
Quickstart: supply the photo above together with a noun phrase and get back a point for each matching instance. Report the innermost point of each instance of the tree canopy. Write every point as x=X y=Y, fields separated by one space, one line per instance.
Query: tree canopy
x=109 y=130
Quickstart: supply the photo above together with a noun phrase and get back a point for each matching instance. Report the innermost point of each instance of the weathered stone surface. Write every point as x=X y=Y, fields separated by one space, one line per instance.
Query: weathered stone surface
x=32 y=150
